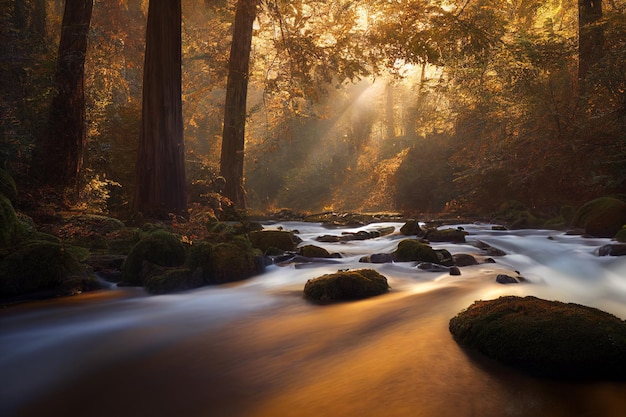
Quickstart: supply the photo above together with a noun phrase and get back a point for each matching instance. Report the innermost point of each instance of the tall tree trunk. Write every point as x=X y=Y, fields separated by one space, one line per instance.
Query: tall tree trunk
x=161 y=184
x=390 y=120
x=38 y=21
x=231 y=163
x=590 y=38
x=59 y=157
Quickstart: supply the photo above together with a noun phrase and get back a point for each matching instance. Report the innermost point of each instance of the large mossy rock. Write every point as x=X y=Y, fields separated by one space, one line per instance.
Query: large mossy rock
x=602 y=217
x=413 y=250
x=159 y=247
x=37 y=266
x=546 y=338
x=225 y=262
x=346 y=285
x=279 y=239
x=169 y=280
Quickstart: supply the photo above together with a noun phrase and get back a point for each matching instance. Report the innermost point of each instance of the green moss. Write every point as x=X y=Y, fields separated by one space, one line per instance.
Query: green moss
x=621 y=235
x=37 y=266
x=411 y=228
x=160 y=248
x=545 y=337
x=225 y=262
x=446 y=235
x=280 y=239
x=312 y=251
x=410 y=250
x=346 y=285
x=173 y=280
x=7 y=187
x=602 y=217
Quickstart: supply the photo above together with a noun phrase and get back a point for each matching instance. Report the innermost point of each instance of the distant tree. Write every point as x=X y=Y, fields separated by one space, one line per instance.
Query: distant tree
x=59 y=157
x=231 y=163
x=161 y=185
x=590 y=37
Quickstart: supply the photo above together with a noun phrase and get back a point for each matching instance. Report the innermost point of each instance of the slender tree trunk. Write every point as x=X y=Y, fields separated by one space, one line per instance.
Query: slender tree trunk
x=38 y=22
x=590 y=38
x=19 y=14
x=390 y=120
x=231 y=164
x=59 y=157
x=161 y=184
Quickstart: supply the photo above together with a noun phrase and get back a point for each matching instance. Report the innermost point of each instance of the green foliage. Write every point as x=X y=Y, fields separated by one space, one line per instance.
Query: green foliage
x=11 y=229
x=346 y=285
x=159 y=247
x=7 y=187
x=601 y=217
x=547 y=338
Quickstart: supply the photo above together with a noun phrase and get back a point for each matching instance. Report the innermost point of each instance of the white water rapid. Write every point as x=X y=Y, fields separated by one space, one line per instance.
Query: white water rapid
x=256 y=348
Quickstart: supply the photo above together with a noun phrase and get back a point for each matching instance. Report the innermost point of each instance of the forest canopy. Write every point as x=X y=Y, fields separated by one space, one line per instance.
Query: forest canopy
x=462 y=106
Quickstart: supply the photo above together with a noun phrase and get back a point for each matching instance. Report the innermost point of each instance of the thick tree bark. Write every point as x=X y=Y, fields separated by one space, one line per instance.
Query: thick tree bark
x=161 y=185
x=590 y=38
x=59 y=157
x=231 y=164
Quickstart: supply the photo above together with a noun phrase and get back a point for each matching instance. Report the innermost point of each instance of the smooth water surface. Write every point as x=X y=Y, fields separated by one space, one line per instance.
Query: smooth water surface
x=256 y=348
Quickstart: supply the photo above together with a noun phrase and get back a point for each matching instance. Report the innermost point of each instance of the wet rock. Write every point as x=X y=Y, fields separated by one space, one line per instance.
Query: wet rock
x=160 y=248
x=446 y=235
x=546 y=338
x=444 y=257
x=360 y=235
x=312 y=251
x=413 y=250
x=464 y=259
x=506 y=279
x=280 y=239
x=346 y=285
x=612 y=249
x=488 y=249
x=432 y=267
x=377 y=258
x=411 y=228
x=454 y=270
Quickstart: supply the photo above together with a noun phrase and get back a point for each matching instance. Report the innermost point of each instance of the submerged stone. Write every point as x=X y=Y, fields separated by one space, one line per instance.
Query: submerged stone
x=546 y=338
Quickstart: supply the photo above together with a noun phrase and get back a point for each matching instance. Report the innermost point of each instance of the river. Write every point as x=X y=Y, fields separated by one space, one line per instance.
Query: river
x=257 y=349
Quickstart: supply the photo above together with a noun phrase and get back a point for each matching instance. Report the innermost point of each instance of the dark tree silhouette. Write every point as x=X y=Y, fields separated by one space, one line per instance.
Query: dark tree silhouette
x=590 y=37
x=59 y=157
x=231 y=163
x=161 y=185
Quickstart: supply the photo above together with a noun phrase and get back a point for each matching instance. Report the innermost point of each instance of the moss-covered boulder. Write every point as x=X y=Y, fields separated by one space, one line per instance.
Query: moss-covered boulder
x=170 y=280
x=621 y=235
x=346 y=285
x=411 y=228
x=37 y=266
x=413 y=250
x=7 y=187
x=312 y=251
x=225 y=262
x=160 y=248
x=446 y=235
x=280 y=239
x=602 y=217
x=547 y=338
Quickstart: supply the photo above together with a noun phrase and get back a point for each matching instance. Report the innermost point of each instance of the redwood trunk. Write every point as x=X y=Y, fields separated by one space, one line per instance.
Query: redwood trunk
x=161 y=185
x=231 y=164
x=60 y=155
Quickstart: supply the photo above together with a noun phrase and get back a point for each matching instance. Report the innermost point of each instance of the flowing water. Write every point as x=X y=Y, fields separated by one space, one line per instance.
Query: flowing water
x=256 y=348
